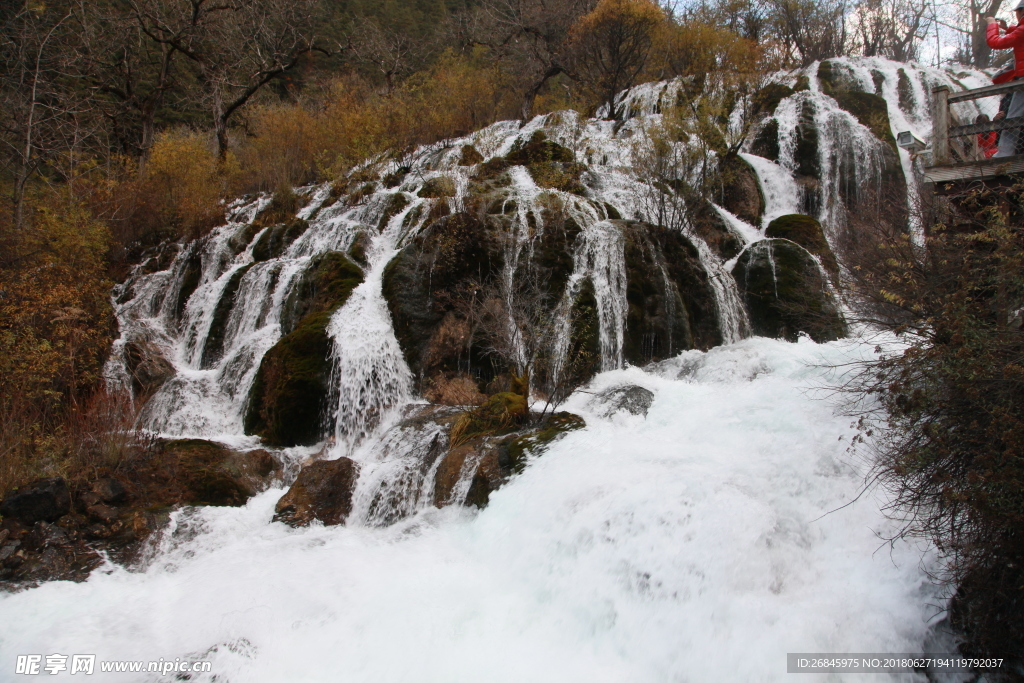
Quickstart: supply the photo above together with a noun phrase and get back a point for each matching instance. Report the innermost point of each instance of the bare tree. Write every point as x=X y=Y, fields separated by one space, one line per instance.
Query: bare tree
x=815 y=30
x=42 y=113
x=234 y=47
x=890 y=28
x=531 y=36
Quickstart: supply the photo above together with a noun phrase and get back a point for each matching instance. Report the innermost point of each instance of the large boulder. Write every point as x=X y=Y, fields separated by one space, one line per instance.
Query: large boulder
x=322 y=492
x=786 y=292
x=807 y=232
x=147 y=367
x=288 y=402
x=671 y=304
x=630 y=398
x=740 y=189
x=43 y=500
x=199 y=472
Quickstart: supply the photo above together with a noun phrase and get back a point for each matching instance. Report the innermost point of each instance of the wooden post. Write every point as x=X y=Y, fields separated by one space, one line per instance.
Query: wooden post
x=940 y=125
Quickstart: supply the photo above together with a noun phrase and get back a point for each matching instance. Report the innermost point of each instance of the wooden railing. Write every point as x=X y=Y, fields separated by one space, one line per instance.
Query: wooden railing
x=942 y=131
x=965 y=160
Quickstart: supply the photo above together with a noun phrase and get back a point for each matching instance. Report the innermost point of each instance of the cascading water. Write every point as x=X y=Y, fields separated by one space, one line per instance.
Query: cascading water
x=656 y=549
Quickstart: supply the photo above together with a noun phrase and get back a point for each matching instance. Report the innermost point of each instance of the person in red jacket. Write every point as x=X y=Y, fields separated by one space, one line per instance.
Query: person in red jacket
x=1013 y=38
x=987 y=142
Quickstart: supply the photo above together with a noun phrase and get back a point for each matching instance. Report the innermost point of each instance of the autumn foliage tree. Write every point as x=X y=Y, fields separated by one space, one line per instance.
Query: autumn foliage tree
x=611 y=45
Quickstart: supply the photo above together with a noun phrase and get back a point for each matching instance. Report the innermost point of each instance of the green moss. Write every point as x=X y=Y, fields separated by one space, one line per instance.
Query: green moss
x=785 y=293
x=327 y=283
x=273 y=242
x=807 y=232
x=869 y=109
x=612 y=212
x=767 y=99
x=289 y=396
x=241 y=239
x=513 y=452
x=214 y=345
x=288 y=401
x=500 y=413
x=802 y=83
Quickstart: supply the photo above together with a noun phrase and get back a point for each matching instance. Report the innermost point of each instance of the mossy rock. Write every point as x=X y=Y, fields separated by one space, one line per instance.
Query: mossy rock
x=766 y=142
x=326 y=284
x=786 y=293
x=273 y=242
x=868 y=108
x=214 y=346
x=500 y=413
x=539 y=149
x=807 y=232
x=740 y=189
x=438 y=186
x=802 y=83
x=445 y=262
x=514 y=451
x=767 y=99
x=806 y=153
x=288 y=401
x=558 y=176
x=671 y=305
x=494 y=172
x=282 y=208
x=243 y=237
x=396 y=203
x=470 y=156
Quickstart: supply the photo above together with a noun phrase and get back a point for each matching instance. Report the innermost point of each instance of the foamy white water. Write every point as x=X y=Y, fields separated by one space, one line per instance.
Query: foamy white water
x=694 y=545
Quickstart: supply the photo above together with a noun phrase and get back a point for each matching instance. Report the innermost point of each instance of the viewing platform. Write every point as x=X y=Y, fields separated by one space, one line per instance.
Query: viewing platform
x=958 y=149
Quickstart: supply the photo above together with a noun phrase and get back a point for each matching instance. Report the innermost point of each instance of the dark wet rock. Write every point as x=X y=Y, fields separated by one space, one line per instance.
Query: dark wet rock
x=671 y=305
x=741 y=191
x=288 y=400
x=480 y=465
x=786 y=292
x=109 y=490
x=214 y=345
x=766 y=142
x=276 y=239
x=281 y=209
x=439 y=186
x=103 y=513
x=147 y=366
x=630 y=398
x=514 y=450
x=807 y=232
x=322 y=491
x=193 y=273
x=43 y=500
x=8 y=549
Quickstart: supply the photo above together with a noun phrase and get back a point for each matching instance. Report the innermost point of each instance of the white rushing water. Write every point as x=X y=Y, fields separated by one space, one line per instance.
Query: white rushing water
x=702 y=543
